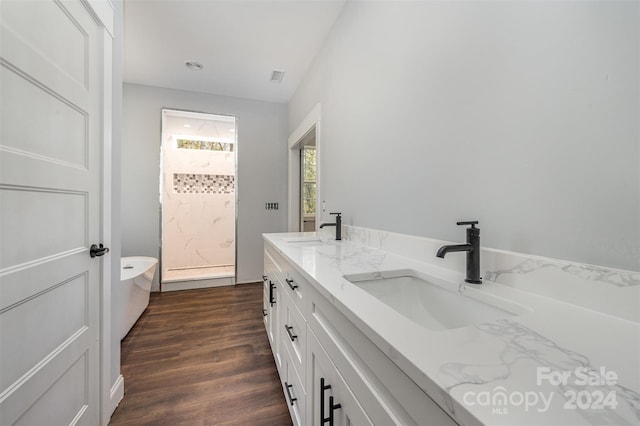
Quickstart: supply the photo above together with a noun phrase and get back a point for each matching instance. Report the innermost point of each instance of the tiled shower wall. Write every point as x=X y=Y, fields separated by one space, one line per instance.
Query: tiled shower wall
x=191 y=183
x=198 y=208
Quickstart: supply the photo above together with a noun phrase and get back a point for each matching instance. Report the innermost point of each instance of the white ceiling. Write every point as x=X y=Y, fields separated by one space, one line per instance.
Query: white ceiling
x=238 y=42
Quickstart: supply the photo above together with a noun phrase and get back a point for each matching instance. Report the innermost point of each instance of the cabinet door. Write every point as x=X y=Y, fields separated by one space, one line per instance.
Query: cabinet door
x=265 y=304
x=268 y=296
x=274 y=329
x=269 y=301
x=330 y=402
x=271 y=312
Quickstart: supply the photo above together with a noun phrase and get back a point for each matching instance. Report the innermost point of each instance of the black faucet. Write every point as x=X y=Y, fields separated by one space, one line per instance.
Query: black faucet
x=338 y=226
x=473 y=252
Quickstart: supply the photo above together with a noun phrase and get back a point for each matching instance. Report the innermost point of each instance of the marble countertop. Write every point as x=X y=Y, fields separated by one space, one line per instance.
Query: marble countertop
x=558 y=364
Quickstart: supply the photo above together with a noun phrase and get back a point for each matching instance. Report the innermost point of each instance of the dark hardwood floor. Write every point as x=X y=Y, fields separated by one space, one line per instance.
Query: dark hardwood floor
x=201 y=357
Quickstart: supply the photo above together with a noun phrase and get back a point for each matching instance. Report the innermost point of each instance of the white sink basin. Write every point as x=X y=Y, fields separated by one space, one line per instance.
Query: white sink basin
x=303 y=241
x=434 y=303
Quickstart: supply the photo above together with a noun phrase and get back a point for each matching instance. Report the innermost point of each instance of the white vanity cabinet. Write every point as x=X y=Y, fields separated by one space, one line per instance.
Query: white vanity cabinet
x=343 y=377
x=288 y=330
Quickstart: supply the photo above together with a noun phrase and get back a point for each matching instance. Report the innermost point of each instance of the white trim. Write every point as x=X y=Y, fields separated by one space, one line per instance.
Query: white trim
x=116 y=394
x=105 y=237
x=303 y=128
x=293 y=190
x=103 y=10
x=259 y=281
x=310 y=122
x=200 y=115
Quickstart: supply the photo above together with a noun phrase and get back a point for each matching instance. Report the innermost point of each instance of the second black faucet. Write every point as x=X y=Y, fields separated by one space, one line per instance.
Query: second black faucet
x=473 y=252
x=338 y=225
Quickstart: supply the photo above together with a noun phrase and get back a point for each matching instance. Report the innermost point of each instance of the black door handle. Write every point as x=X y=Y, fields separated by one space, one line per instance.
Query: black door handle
x=95 y=250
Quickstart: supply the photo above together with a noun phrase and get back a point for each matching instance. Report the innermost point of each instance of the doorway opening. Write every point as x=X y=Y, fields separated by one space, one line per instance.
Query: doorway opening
x=304 y=174
x=198 y=167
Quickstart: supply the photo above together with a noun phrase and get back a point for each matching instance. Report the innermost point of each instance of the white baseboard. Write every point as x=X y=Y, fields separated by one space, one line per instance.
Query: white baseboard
x=250 y=282
x=190 y=285
x=116 y=394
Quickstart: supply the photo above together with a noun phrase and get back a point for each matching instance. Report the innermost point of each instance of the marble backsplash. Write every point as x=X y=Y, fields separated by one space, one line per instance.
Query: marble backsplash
x=611 y=291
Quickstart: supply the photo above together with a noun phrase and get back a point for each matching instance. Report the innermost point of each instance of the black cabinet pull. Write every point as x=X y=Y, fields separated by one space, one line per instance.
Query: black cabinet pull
x=291 y=399
x=264 y=278
x=272 y=300
x=264 y=312
x=291 y=335
x=292 y=286
x=323 y=388
x=332 y=408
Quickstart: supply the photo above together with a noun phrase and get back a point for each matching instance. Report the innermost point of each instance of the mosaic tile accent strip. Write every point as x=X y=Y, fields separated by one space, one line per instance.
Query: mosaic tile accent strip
x=210 y=146
x=191 y=183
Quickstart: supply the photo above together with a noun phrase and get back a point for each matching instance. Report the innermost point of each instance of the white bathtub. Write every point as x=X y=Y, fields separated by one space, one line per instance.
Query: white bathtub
x=132 y=298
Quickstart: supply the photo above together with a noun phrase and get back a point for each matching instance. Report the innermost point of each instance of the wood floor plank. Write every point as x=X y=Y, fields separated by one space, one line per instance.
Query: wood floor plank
x=201 y=357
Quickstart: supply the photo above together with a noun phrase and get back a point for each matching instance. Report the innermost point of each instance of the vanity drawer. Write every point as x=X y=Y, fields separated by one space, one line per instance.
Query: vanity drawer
x=293 y=335
x=272 y=267
x=292 y=281
x=294 y=392
x=297 y=288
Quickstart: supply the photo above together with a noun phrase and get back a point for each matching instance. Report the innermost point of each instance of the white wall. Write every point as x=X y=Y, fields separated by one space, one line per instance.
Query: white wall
x=522 y=115
x=262 y=139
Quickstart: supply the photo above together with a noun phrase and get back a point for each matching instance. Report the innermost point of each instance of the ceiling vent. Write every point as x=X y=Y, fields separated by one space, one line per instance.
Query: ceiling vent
x=276 y=76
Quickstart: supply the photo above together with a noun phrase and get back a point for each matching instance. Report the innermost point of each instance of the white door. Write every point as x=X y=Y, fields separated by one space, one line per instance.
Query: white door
x=50 y=200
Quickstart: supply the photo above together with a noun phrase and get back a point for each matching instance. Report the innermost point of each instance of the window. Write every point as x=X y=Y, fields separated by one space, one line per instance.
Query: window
x=209 y=144
x=309 y=180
